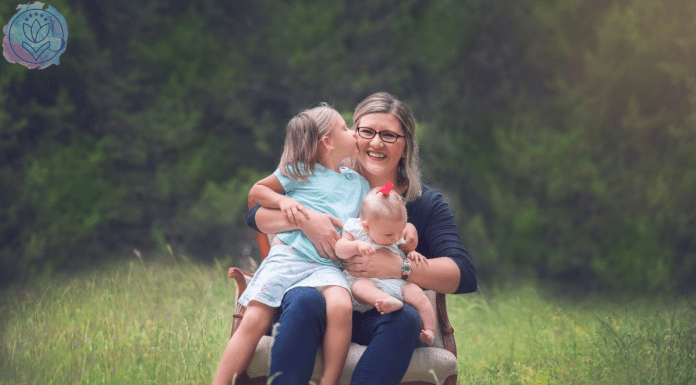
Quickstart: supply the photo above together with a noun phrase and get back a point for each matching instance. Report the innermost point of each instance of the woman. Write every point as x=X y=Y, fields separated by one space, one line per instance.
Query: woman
x=387 y=151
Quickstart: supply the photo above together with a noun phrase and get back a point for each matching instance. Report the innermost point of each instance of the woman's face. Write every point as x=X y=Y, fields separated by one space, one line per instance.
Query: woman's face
x=380 y=159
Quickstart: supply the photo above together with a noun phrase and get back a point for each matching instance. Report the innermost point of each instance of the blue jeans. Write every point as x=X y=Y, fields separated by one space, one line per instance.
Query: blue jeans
x=390 y=340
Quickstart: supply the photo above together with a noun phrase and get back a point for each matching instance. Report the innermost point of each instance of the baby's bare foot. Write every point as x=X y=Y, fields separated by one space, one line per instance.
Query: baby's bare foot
x=388 y=305
x=427 y=337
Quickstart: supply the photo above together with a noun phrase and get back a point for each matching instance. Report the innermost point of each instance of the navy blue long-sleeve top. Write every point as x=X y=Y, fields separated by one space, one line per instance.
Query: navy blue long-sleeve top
x=437 y=234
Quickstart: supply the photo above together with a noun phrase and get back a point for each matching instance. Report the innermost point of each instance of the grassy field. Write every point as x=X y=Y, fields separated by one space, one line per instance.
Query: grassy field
x=522 y=337
x=167 y=322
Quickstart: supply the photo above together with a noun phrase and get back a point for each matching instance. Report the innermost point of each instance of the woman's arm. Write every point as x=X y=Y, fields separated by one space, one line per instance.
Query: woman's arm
x=439 y=274
x=318 y=228
x=440 y=241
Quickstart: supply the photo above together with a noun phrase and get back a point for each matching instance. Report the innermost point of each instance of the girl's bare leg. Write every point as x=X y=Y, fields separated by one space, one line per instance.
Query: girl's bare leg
x=240 y=350
x=365 y=291
x=415 y=296
x=339 y=321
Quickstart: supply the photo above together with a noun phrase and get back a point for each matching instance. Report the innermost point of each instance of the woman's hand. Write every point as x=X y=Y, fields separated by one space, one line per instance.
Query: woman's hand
x=383 y=264
x=319 y=229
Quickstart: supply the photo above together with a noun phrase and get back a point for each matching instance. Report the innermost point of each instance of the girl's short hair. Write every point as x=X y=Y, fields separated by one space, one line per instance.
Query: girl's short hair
x=302 y=136
x=409 y=173
x=390 y=207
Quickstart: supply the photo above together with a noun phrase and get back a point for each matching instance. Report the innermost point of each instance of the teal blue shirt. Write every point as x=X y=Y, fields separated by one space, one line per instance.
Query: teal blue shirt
x=338 y=194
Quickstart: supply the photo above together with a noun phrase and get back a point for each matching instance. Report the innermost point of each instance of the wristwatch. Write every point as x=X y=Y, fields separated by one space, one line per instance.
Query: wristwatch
x=406 y=269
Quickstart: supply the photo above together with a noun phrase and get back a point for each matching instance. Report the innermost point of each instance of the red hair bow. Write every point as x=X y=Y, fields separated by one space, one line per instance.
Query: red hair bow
x=386 y=189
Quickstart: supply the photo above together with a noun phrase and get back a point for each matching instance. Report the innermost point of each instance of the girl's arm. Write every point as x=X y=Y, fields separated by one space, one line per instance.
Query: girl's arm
x=268 y=193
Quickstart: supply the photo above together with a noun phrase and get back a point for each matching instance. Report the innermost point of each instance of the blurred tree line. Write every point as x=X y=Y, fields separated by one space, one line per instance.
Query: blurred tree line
x=562 y=132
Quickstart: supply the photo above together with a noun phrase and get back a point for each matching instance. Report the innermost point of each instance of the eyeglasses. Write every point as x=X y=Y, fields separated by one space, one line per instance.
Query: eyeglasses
x=386 y=136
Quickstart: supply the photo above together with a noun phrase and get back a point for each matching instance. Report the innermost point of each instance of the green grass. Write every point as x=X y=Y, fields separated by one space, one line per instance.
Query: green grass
x=521 y=337
x=154 y=323
x=167 y=322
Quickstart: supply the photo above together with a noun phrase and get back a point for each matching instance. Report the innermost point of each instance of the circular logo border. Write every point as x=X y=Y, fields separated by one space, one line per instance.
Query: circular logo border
x=21 y=37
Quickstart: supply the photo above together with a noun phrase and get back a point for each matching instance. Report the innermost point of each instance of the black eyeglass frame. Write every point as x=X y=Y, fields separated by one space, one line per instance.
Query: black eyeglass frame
x=379 y=133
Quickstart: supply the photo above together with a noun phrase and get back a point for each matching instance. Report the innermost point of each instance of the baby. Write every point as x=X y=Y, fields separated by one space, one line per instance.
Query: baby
x=381 y=224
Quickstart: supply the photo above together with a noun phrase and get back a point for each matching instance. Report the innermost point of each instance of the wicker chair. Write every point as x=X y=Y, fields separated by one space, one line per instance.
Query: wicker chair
x=439 y=360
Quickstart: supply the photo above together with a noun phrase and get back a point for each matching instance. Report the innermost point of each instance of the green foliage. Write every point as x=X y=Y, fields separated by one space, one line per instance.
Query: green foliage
x=563 y=131
x=56 y=188
x=609 y=163
x=589 y=176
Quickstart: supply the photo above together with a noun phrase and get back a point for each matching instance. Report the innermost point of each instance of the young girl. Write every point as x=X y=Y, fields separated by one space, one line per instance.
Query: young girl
x=381 y=224
x=316 y=141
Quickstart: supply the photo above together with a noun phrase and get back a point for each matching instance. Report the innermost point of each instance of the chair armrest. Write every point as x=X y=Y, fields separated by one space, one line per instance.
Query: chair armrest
x=240 y=277
x=445 y=327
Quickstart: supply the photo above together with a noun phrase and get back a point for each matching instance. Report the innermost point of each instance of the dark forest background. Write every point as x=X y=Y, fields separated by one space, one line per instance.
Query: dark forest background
x=563 y=133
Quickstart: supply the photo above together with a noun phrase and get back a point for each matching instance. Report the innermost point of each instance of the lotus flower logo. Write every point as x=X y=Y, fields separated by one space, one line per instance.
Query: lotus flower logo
x=35 y=37
x=36 y=33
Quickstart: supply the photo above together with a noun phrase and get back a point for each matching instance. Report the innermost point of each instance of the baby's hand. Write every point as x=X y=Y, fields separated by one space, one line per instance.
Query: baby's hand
x=366 y=249
x=294 y=211
x=416 y=257
x=410 y=236
x=427 y=337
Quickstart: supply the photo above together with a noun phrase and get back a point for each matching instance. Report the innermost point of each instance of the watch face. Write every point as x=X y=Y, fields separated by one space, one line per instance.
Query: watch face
x=407 y=269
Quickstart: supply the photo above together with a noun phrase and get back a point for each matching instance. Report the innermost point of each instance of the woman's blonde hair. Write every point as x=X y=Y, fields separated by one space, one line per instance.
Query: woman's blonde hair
x=409 y=173
x=302 y=137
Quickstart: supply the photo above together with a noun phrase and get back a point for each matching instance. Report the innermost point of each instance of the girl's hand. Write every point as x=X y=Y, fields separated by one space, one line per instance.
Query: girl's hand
x=383 y=264
x=320 y=230
x=294 y=211
x=365 y=248
x=410 y=236
x=416 y=257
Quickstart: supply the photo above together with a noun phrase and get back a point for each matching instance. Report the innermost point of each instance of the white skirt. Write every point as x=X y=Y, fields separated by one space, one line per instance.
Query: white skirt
x=284 y=269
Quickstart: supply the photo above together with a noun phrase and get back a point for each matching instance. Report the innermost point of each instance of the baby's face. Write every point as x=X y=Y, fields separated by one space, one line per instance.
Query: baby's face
x=382 y=231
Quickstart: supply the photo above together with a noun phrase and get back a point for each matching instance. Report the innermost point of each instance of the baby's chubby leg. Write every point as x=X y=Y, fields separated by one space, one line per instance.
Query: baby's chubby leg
x=241 y=347
x=365 y=291
x=339 y=323
x=414 y=296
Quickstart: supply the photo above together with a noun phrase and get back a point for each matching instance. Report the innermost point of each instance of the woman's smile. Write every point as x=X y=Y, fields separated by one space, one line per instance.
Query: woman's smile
x=376 y=155
x=380 y=159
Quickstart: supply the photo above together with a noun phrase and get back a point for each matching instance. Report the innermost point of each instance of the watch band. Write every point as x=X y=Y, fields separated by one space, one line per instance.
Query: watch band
x=406 y=269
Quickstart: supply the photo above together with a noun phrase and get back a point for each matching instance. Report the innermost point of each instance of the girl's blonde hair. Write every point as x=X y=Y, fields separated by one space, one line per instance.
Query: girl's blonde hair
x=409 y=173
x=302 y=137
x=390 y=207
